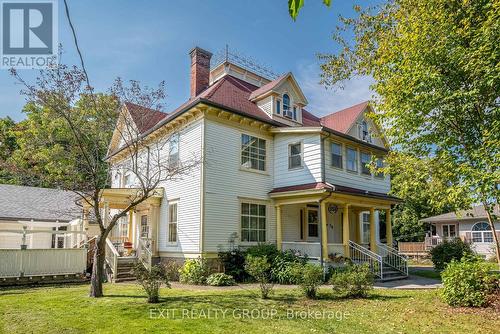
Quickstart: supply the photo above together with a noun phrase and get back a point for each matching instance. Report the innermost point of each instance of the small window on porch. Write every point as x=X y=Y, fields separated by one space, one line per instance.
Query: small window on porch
x=144 y=226
x=172 y=223
x=365 y=221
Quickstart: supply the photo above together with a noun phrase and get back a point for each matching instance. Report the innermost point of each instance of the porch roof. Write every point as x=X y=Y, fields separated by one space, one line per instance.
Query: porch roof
x=120 y=198
x=323 y=187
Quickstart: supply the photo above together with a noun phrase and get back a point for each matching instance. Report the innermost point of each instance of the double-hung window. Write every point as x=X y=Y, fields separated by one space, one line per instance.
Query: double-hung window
x=380 y=164
x=172 y=222
x=449 y=231
x=365 y=221
x=365 y=163
x=253 y=222
x=173 y=157
x=294 y=155
x=253 y=152
x=144 y=226
x=352 y=159
x=278 y=107
x=336 y=155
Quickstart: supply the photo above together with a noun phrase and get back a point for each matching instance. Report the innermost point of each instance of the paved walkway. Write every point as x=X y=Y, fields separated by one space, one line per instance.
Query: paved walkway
x=412 y=282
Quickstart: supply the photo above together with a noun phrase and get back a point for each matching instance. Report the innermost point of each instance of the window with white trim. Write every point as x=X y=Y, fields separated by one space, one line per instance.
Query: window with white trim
x=253 y=152
x=172 y=222
x=364 y=132
x=294 y=155
x=365 y=163
x=278 y=107
x=380 y=164
x=352 y=159
x=336 y=155
x=173 y=156
x=144 y=226
x=286 y=106
x=449 y=231
x=481 y=232
x=312 y=223
x=253 y=222
x=365 y=227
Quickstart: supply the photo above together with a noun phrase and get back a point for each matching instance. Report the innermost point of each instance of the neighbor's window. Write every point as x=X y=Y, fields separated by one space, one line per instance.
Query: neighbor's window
x=172 y=222
x=365 y=163
x=352 y=159
x=253 y=152
x=294 y=155
x=380 y=164
x=312 y=223
x=253 y=222
x=449 y=231
x=173 y=157
x=336 y=155
x=481 y=232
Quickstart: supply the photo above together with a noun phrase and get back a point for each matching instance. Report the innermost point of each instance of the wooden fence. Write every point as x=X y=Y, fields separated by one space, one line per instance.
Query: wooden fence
x=42 y=262
x=412 y=248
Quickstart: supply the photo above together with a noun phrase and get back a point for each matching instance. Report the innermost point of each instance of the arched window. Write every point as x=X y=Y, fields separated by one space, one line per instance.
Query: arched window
x=481 y=232
x=286 y=104
x=365 y=135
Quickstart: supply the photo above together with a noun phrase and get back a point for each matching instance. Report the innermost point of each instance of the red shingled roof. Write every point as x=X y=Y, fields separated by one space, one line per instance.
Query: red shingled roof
x=144 y=118
x=306 y=186
x=267 y=87
x=342 y=120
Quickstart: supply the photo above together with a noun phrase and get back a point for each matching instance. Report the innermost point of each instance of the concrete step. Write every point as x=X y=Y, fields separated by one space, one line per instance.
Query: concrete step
x=124 y=279
x=392 y=278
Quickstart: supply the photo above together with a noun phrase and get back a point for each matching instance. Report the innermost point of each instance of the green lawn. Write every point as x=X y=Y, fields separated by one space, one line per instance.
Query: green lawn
x=124 y=310
x=431 y=273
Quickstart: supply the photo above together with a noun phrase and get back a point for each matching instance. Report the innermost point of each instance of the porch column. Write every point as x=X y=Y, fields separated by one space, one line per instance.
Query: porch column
x=154 y=219
x=345 y=230
x=388 y=227
x=130 y=225
x=373 y=236
x=324 y=231
x=357 y=238
x=279 y=231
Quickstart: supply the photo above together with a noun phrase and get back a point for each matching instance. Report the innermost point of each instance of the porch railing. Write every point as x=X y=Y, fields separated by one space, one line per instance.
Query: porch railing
x=311 y=249
x=112 y=256
x=144 y=253
x=391 y=257
x=360 y=254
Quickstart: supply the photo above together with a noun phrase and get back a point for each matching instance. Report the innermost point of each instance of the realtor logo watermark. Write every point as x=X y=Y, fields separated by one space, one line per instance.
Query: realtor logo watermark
x=28 y=35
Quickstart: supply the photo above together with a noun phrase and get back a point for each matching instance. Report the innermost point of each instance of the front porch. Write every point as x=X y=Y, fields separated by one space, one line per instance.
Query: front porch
x=329 y=227
x=135 y=236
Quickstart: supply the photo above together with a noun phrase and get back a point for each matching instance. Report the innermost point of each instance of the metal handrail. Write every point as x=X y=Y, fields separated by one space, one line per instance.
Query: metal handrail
x=391 y=257
x=358 y=253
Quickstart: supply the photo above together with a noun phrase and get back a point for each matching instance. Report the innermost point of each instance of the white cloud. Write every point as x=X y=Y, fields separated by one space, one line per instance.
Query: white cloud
x=323 y=100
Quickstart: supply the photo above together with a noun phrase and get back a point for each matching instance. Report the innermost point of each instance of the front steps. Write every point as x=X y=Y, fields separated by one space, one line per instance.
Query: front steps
x=124 y=269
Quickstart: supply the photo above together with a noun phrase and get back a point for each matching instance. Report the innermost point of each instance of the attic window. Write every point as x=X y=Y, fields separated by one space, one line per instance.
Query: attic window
x=286 y=106
x=364 y=133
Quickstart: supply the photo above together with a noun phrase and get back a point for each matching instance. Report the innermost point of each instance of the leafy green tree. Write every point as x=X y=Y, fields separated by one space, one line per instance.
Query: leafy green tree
x=437 y=79
x=8 y=144
x=294 y=6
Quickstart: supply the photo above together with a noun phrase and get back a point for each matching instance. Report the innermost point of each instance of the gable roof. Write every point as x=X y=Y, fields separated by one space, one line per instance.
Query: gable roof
x=270 y=86
x=343 y=120
x=37 y=204
x=144 y=118
x=473 y=213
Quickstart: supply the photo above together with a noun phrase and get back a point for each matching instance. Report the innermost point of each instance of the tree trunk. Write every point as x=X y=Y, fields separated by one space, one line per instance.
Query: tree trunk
x=495 y=237
x=98 y=268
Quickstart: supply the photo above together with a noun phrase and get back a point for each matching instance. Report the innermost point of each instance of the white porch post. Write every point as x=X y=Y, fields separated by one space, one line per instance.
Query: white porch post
x=345 y=230
x=279 y=232
x=388 y=227
x=373 y=234
x=154 y=219
x=324 y=231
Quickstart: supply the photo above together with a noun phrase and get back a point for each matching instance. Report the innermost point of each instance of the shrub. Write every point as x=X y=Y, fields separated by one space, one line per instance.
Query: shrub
x=220 y=279
x=282 y=267
x=194 y=271
x=353 y=280
x=151 y=280
x=268 y=250
x=172 y=269
x=467 y=282
x=234 y=264
x=309 y=277
x=259 y=268
x=447 y=251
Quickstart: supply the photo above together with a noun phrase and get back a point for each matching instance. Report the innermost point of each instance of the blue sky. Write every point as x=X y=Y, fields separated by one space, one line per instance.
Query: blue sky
x=149 y=41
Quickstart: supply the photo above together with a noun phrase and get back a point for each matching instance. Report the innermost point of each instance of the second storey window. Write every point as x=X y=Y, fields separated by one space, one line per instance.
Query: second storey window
x=380 y=164
x=294 y=155
x=253 y=222
x=253 y=152
x=336 y=155
x=352 y=159
x=173 y=157
x=365 y=163
x=278 y=107
x=172 y=222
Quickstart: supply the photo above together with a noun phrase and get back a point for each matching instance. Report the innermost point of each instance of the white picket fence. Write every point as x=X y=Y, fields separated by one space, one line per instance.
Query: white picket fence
x=42 y=262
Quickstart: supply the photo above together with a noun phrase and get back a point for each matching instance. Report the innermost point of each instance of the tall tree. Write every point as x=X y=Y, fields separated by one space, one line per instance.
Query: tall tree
x=435 y=65
x=79 y=124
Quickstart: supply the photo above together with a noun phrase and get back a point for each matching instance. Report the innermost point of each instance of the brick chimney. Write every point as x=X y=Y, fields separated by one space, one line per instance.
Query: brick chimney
x=200 y=70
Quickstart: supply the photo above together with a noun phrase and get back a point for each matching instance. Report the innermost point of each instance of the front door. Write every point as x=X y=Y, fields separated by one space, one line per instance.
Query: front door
x=312 y=224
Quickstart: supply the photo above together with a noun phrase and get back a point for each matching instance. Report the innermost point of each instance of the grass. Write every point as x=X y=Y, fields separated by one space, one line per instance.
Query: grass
x=427 y=273
x=124 y=310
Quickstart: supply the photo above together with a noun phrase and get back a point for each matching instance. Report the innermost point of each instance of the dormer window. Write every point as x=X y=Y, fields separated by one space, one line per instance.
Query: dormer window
x=278 y=107
x=364 y=133
x=286 y=106
x=295 y=112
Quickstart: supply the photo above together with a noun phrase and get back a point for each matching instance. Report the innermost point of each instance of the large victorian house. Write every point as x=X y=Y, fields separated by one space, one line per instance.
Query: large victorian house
x=272 y=172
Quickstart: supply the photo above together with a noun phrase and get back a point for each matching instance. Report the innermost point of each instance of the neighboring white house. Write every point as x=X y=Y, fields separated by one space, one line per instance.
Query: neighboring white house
x=33 y=217
x=272 y=171
x=469 y=225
